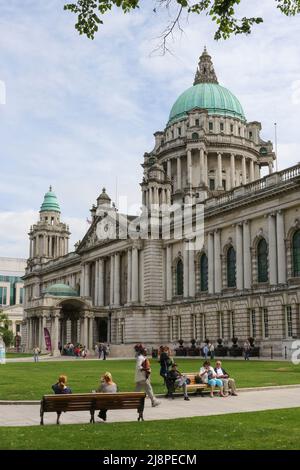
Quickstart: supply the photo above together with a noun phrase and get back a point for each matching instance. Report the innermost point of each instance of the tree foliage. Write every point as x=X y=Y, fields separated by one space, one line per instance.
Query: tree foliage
x=5 y=333
x=221 y=12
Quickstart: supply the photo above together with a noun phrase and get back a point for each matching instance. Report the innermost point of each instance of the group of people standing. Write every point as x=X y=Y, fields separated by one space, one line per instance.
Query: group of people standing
x=102 y=350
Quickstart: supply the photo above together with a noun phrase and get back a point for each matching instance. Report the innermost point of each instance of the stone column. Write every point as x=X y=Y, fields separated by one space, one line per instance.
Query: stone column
x=129 y=275
x=44 y=323
x=232 y=171
x=85 y=331
x=272 y=250
x=211 y=267
x=178 y=173
x=217 y=261
x=29 y=334
x=169 y=174
x=281 y=252
x=96 y=282
x=205 y=170
x=82 y=281
x=270 y=168
x=189 y=167
x=252 y=177
x=68 y=331
x=135 y=275
x=247 y=254
x=201 y=167
x=239 y=257
x=244 y=171
x=55 y=334
x=192 y=281
x=219 y=172
x=91 y=334
x=112 y=265
x=169 y=273
x=185 y=270
x=117 y=280
x=101 y=283
x=86 y=280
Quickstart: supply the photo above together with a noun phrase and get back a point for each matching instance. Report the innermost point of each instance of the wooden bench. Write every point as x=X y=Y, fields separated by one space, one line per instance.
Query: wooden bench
x=193 y=385
x=92 y=402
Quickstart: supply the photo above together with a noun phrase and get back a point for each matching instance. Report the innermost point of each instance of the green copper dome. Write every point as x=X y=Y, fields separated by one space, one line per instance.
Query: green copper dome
x=50 y=202
x=61 y=290
x=211 y=96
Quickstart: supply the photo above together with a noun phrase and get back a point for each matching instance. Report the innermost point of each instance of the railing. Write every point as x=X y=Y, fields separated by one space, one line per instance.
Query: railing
x=256 y=186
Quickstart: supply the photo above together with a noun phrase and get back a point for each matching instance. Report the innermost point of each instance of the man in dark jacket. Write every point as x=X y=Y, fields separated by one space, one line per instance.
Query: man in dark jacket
x=174 y=380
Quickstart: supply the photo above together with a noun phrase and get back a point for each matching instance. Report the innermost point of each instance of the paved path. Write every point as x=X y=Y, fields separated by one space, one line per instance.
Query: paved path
x=28 y=415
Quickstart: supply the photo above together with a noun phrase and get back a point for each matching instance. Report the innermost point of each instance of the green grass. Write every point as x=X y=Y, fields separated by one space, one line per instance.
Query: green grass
x=276 y=429
x=30 y=381
x=17 y=355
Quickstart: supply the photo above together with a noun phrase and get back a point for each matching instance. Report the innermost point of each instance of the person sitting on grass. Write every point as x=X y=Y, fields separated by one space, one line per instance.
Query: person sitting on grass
x=228 y=382
x=106 y=386
x=208 y=376
x=176 y=379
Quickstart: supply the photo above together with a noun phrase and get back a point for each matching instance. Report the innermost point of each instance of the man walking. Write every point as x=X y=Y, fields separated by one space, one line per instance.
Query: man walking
x=142 y=376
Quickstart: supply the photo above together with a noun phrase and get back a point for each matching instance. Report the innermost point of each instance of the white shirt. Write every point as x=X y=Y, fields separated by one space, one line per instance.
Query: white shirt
x=219 y=372
x=139 y=373
x=205 y=376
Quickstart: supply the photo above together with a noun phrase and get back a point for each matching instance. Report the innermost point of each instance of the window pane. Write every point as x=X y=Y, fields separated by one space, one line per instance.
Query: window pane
x=296 y=253
x=231 y=268
x=262 y=261
x=204 y=273
x=179 y=278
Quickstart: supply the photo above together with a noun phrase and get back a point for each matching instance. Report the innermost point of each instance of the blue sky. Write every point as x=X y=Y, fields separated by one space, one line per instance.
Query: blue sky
x=80 y=114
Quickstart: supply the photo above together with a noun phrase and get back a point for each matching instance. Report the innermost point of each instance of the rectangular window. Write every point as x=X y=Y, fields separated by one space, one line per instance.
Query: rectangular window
x=239 y=130
x=221 y=126
x=194 y=327
x=289 y=321
x=232 y=324
x=224 y=184
x=197 y=122
x=172 y=134
x=221 y=325
x=253 y=323
x=179 y=332
x=18 y=328
x=3 y=295
x=204 y=332
x=179 y=130
x=250 y=135
x=231 y=128
x=21 y=295
x=211 y=126
x=211 y=184
x=265 y=323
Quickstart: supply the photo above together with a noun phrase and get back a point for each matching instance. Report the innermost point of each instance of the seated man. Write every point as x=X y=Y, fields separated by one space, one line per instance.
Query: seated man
x=174 y=380
x=228 y=382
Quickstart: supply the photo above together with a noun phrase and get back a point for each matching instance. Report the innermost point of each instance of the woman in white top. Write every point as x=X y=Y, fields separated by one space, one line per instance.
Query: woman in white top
x=209 y=377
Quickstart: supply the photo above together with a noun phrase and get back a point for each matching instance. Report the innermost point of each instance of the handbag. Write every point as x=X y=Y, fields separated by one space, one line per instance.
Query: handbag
x=198 y=379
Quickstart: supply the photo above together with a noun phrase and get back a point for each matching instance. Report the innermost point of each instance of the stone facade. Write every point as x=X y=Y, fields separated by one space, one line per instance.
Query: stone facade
x=245 y=279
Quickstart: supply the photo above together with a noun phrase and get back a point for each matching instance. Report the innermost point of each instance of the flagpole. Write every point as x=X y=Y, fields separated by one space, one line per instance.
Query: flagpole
x=275 y=129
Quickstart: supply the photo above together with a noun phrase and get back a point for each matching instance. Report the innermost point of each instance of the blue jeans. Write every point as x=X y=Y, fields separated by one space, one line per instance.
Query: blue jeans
x=36 y=357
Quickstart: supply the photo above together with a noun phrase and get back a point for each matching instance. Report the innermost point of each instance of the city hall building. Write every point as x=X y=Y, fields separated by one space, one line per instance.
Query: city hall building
x=244 y=280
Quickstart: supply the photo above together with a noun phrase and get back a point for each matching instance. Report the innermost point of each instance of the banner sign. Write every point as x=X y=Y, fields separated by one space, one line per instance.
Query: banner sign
x=47 y=339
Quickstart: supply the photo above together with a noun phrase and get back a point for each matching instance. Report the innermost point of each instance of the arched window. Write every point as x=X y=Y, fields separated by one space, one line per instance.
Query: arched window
x=296 y=254
x=262 y=261
x=203 y=273
x=179 y=278
x=231 y=267
x=195 y=135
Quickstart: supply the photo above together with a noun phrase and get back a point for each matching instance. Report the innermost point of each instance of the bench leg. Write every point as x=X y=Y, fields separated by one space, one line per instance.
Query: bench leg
x=92 y=420
x=58 y=417
x=141 y=416
x=42 y=419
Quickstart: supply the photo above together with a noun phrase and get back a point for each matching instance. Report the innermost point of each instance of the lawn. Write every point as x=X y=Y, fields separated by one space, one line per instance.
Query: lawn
x=276 y=429
x=29 y=380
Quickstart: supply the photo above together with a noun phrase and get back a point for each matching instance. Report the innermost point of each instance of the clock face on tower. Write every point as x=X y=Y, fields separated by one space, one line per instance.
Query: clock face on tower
x=106 y=229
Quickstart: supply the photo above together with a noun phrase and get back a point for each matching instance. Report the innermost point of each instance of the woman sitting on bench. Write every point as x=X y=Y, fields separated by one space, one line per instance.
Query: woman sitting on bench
x=209 y=377
x=61 y=386
x=106 y=386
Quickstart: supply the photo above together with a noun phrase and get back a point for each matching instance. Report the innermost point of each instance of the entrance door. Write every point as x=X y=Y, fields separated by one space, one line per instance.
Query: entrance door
x=102 y=329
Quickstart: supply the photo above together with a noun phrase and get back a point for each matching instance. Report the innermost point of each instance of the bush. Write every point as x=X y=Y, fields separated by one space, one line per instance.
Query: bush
x=8 y=337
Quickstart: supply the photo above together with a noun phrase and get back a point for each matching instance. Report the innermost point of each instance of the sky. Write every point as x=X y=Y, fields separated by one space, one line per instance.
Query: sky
x=79 y=114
